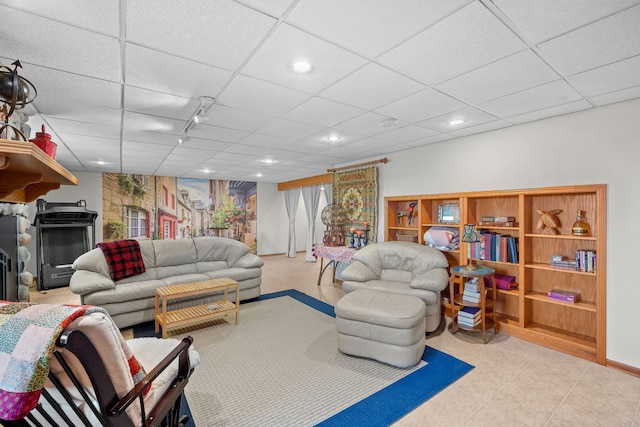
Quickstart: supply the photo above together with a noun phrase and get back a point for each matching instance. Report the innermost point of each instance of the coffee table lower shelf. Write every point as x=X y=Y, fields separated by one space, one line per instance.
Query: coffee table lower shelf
x=175 y=319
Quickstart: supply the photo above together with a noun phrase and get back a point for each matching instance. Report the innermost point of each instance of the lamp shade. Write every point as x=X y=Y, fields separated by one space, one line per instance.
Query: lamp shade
x=470 y=234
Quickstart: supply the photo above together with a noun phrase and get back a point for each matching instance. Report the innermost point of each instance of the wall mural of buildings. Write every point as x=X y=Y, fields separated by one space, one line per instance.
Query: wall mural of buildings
x=161 y=207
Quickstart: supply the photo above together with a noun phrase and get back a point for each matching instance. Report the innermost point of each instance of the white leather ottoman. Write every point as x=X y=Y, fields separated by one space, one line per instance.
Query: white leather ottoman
x=385 y=327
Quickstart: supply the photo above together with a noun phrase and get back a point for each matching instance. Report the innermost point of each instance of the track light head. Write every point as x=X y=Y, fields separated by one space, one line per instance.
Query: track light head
x=183 y=139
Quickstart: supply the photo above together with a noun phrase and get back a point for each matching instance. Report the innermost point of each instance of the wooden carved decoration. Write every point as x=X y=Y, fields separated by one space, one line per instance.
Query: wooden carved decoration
x=548 y=221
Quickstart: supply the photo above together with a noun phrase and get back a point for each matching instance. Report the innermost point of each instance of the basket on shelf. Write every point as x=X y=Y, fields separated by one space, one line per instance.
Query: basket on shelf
x=407 y=237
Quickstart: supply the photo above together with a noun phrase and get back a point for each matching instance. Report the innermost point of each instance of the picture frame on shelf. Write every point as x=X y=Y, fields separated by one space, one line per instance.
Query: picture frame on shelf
x=449 y=213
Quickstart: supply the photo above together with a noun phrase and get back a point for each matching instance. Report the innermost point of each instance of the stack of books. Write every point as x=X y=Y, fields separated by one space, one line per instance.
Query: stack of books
x=562 y=295
x=498 y=221
x=471 y=291
x=469 y=317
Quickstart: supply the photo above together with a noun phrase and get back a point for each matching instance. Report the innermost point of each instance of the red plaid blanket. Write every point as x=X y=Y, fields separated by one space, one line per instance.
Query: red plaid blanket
x=123 y=257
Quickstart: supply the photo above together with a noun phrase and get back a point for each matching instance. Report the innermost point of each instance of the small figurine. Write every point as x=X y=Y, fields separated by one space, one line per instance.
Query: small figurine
x=548 y=221
x=412 y=206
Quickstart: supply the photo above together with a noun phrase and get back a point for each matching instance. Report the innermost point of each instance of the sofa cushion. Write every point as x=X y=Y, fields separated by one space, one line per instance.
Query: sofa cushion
x=174 y=252
x=400 y=288
x=237 y=274
x=187 y=277
x=124 y=292
x=219 y=249
x=93 y=260
x=393 y=275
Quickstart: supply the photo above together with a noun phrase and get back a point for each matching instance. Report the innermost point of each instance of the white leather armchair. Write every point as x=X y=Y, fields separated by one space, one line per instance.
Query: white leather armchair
x=401 y=268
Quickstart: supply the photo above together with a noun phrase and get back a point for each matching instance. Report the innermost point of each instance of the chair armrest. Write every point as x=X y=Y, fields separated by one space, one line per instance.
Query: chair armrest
x=84 y=282
x=181 y=351
x=433 y=280
x=358 y=272
x=249 y=261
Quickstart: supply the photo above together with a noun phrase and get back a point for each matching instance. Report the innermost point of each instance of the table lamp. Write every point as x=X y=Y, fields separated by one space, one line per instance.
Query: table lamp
x=470 y=235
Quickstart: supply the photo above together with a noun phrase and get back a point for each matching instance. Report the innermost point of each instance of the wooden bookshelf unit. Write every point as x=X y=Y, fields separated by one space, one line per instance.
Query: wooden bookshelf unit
x=527 y=312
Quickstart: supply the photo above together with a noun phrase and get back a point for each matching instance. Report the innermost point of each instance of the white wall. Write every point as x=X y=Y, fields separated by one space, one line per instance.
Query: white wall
x=599 y=146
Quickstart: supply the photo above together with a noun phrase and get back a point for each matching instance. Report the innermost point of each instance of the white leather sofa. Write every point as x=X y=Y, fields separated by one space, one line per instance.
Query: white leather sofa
x=401 y=268
x=167 y=262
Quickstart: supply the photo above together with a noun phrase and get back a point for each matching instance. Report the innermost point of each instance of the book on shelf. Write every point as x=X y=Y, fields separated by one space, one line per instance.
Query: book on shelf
x=505 y=219
x=562 y=295
x=498 y=224
x=488 y=218
x=469 y=322
x=470 y=296
x=566 y=264
x=586 y=260
x=469 y=313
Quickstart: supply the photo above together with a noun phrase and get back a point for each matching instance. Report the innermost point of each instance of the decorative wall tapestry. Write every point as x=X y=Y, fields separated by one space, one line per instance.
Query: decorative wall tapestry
x=357 y=191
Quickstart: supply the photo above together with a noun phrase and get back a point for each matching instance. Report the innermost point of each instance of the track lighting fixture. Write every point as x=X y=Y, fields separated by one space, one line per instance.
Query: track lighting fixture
x=199 y=116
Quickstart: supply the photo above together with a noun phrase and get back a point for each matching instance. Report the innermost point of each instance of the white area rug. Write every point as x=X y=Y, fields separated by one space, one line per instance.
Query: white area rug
x=279 y=367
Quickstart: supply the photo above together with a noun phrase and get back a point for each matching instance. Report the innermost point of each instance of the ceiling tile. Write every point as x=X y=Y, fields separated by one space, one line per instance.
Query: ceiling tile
x=150 y=69
x=541 y=20
x=151 y=149
x=266 y=140
x=82 y=128
x=291 y=128
x=406 y=134
x=287 y=45
x=369 y=124
x=221 y=33
x=158 y=104
x=218 y=133
x=558 y=110
x=612 y=39
x=484 y=127
x=275 y=7
x=322 y=112
x=144 y=122
x=537 y=98
x=609 y=78
x=618 y=96
x=51 y=107
x=371 y=87
x=512 y=74
x=235 y=118
x=273 y=99
x=420 y=106
x=445 y=51
x=471 y=117
x=89 y=54
x=369 y=26
x=150 y=137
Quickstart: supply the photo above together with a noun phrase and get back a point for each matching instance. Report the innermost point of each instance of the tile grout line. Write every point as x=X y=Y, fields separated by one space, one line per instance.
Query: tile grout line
x=566 y=395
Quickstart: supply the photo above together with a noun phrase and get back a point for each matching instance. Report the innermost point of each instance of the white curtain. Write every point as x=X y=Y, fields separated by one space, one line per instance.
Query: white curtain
x=311 y=197
x=291 y=198
x=328 y=193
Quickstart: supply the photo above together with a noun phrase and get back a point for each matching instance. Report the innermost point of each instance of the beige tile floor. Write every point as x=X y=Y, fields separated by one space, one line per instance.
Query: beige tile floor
x=514 y=383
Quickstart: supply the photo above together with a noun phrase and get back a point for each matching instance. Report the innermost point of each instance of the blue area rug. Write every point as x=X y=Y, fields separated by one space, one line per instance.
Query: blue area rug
x=387 y=405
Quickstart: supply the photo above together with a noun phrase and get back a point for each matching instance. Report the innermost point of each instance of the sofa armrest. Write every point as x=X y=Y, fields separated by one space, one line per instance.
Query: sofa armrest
x=84 y=282
x=358 y=272
x=433 y=280
x=248 y=261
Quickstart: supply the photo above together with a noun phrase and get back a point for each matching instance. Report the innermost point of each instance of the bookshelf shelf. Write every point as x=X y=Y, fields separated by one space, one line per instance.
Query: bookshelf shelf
x=575 y=328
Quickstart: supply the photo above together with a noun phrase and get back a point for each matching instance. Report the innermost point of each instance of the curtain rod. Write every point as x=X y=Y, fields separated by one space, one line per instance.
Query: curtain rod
x=372 y=162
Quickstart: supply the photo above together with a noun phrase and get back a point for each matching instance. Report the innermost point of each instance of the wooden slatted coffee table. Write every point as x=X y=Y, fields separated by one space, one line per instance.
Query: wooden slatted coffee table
x=173 y=319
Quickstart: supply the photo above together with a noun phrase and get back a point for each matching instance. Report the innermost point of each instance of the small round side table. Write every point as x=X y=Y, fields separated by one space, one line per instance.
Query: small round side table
x=487 y=305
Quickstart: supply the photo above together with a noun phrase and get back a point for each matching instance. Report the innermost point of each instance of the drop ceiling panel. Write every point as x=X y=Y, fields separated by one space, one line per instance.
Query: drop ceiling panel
x=420 y=106
x=471 y=117
x=221 y=33
x=445 y=50
x=235 y=118
x=274 y=7
x=618 y=96
x=82 y=128
x=609 y=78
x=371 y=87
x=406 y=134
x=587 y=48
x=150 y=69
x=155 y=138
x=570 y=107
x=151 y=149
x=158 y=103
x=537 y=98
x=514 y=73
x=305 y=146
x=273 y=99
x=541 y=20
x=369 y=27
x=98 y=15
x=144 y=122
x=51 y=107
x=287 y=45
x=323 y=112
x=484 y=127
x=262 y=140
x=289 y=128
x=217 y=133
x=368 y=124
x=84 y=52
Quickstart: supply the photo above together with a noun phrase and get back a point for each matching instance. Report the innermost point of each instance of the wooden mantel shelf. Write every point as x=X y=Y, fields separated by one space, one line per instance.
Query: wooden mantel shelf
x=27 y=173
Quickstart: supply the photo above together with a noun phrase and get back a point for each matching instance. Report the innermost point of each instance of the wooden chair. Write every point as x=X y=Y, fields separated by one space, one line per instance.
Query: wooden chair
x=90 y=383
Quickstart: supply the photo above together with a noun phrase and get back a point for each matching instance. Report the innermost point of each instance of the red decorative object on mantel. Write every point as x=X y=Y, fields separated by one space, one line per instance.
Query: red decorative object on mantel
x=43 y=141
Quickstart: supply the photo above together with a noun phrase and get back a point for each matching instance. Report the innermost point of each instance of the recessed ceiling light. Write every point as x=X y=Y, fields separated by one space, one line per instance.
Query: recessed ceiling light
x=456 y=122
x=302 y=67
x=333 y=138
x=100 y=162
x=259 y=175
x=268 y=161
